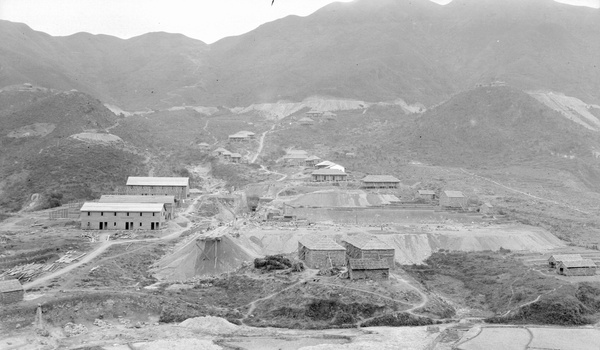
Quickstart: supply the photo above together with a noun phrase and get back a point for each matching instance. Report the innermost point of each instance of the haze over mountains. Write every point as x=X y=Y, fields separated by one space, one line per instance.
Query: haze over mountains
x=371 y=50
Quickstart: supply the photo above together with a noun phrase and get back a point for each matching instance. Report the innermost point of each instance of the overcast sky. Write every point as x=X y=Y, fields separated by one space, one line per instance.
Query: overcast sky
x=207 y=20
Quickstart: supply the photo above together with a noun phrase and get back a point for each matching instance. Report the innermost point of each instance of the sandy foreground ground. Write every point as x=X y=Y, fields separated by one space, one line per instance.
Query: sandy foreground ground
x=216 y=333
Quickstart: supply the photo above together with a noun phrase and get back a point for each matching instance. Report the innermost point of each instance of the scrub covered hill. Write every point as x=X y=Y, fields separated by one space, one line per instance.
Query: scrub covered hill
x=498 y=125
x=38 y=156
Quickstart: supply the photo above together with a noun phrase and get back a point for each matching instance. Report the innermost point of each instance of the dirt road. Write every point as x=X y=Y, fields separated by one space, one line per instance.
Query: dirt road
x=261 y=144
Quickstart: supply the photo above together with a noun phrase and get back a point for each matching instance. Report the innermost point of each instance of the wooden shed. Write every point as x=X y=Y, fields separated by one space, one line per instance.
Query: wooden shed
x=321 y=252
x=11 y=291
x=236 y=157
x=368 y=247
x=312 y=160
x=368 y=269
x=555 y=259
x=584 y=267
x=453 y=199
x=328 y=175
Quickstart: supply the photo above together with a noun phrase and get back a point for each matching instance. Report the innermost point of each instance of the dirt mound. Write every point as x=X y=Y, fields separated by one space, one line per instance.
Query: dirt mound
x=97 y=138
x=37 y=129
x=203 y=258
x=210 y=325
x=336 y=198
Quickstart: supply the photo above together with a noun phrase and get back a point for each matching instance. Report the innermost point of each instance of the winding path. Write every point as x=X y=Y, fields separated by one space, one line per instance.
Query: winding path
x=261 y=144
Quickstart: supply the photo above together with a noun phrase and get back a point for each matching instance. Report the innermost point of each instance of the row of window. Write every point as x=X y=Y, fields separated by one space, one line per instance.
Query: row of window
x=115 y=224
x=102 y=213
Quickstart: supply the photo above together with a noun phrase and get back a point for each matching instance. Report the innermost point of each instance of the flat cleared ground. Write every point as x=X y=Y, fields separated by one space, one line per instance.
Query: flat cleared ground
x=517 y=338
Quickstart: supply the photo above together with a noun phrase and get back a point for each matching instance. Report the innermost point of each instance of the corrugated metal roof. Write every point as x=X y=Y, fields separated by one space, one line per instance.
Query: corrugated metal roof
x=320 y=243
x=379 y=178
x=110 y=198
x=157 y=181
x=236 y=155
x=366 y=242
x=10 y=286
x=565 y=257
x=429 y=192
x=328 y=172
x=454 y=194
x=245 y=132
x=123 y=207
x=368 y=264
x=578 y=263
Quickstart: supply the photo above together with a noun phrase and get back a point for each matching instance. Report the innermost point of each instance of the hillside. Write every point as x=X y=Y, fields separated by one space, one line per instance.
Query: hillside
x=39 y=156
x=497 y=125
x=368 y=50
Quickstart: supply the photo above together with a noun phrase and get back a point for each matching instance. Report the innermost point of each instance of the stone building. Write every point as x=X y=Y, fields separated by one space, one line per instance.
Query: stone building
x=11 y=292
x=555 y=259
x=368 y=247
x=585 y=267
x=122 y=216
x=158 y=186
x=321 y=252
x=368 y=269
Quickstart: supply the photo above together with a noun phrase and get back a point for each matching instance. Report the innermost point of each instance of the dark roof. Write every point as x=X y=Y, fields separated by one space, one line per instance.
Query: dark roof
x=320 y=243
x=368 y=264
x=379 y=178
x=328 y=172
x=565 y=257
x=366 y=242
x=578 y=263
x=10 y=286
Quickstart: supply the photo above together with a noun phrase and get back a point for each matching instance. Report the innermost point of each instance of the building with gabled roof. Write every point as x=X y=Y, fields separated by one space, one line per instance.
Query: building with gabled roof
x=297 y=159
x=320 y=252
x=236 y=157
x=583 y=267
x=158 y=186
x=380 y=181
x=486 y=208
x=368 y=269
x=555 y=259
x=168 y=201
x=426 y=194
x=328 y=175
x=453 y=199
x=11 y=291
x=122 y=216
x=365 y=246
x=311 y=161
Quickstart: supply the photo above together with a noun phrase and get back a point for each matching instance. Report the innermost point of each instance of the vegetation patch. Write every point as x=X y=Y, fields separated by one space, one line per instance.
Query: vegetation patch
x=398 y=320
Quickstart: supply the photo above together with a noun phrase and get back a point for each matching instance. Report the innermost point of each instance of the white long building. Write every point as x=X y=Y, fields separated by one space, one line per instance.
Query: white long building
x=122 y=216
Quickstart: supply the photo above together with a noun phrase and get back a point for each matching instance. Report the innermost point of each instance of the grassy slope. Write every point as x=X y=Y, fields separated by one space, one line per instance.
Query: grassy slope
x=497 y=283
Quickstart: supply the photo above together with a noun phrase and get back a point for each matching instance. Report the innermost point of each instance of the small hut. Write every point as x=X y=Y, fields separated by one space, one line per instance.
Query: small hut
x=363 y=269
x=584 y=267
x=321 y=252
x=427 y=194
x=453 y=199
x=11 y=291
x=306 y=121
x=486 y=208
x=554 y=260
